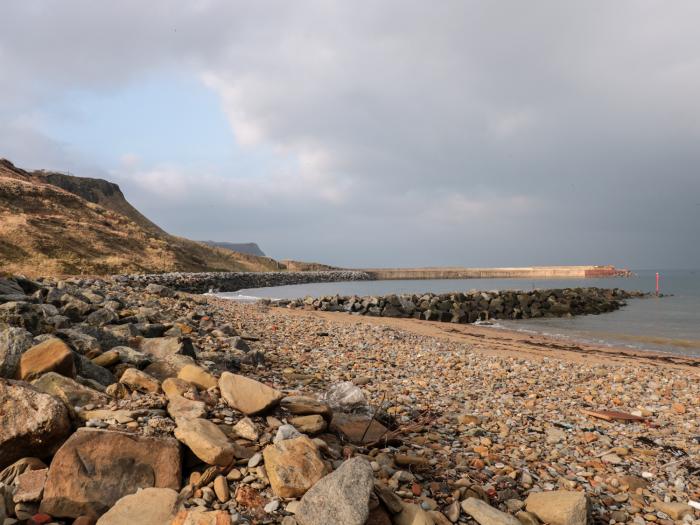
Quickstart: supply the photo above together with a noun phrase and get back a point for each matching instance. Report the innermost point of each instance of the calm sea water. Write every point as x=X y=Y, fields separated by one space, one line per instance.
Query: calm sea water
x=670 y=324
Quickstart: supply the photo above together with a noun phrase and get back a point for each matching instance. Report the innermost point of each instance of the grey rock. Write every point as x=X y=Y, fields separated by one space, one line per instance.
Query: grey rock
x=13 y=343
x=341 y=498
x=89 y=370
x=485 y=514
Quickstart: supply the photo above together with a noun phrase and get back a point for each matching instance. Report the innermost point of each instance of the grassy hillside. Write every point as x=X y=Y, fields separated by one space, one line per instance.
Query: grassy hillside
x=56 y=224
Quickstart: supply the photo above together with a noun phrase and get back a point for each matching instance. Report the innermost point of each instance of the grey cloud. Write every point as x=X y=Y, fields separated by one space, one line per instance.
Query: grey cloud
x=427 y=133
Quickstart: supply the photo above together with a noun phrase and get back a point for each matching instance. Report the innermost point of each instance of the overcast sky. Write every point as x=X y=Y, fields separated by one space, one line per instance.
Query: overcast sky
x=375 y=133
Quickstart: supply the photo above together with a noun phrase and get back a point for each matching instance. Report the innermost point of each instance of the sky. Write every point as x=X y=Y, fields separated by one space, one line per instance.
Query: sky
x=375 y=133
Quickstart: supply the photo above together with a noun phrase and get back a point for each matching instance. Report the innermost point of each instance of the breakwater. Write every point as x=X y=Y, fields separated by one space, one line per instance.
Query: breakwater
x=203 y=282
x=530 y=272
x=473 y=306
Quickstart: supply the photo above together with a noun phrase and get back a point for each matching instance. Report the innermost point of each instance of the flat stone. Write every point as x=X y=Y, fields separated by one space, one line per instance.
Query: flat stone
x=485 y=514
x=121 y=416
x=72 y=393
x=139 y=380
x=180 y=407
x=149 y=506
x=132 y=357
x=247 y=395
x=341 y=497
x=30 y=486
x=9 y=474
x=311 y=424
x=207 y=441
x=197 y=376
x=53 y=355
x=31 y=423
x=302 y=405
x=559 y=507
x=293 y=466
x=95 y=468
x=354 y=427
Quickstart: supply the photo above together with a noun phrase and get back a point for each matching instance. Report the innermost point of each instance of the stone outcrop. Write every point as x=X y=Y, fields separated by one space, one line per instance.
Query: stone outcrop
x=95 y=468
x=31 y=423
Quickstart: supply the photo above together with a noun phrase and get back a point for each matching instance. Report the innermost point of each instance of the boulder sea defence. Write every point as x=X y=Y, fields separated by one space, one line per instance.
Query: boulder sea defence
x=470 y=307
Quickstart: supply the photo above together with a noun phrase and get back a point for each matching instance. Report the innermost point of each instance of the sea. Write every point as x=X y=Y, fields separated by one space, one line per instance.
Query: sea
x=670 y=323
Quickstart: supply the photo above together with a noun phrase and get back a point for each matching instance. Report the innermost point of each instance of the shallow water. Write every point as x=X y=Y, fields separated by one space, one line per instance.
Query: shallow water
x=669 y=324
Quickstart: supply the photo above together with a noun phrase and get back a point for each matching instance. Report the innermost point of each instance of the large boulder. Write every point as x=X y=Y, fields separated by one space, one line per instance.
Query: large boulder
x=151 y=506
x=559 y=507
x=206 y=440
x=293 y=466
x=52 y=355
x=72 y=393
x=341 y=498
x=95 y=468
x=247 y=395
x=14 y=342
x=31 y=423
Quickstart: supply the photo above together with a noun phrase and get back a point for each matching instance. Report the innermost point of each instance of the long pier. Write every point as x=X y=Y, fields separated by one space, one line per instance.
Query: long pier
x=530 y=272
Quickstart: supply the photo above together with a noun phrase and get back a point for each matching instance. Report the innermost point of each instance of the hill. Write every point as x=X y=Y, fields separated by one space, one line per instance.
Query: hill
x=58 y=224
x=250 y=248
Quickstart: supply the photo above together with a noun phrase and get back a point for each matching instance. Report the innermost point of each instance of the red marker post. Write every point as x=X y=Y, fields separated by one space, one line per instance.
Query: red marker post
x=657 y=283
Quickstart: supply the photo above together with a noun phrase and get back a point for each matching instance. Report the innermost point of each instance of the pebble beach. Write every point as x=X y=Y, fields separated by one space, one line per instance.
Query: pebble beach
x=208 y=411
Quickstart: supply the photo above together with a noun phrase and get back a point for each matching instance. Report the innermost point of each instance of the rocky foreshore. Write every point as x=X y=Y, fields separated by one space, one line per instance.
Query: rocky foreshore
x=473 y=306
x=122 y=403
x=203 y=282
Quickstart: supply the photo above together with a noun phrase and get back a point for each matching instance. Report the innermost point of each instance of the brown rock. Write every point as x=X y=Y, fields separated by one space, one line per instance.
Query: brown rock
x=138 y=380
x=181 y=407
x=675 y=509
x=169 y=366
x=162 y=347
x=53 y=355
x=413 y=515
x=221 y=489
x=247 y=395
x=354 y=427
x=559 y=507
x=197 y=376
x=150 y=506
x=199 y=516
x=31 y=423
x=293 y=466
x=249 y=497
x=9 y=474
x=173 y=386
x=72 y=393
x=206 y=440
x=301 y=406
x=95 y=468
x=312 y=424
x=107 y=359
x=30 y=486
